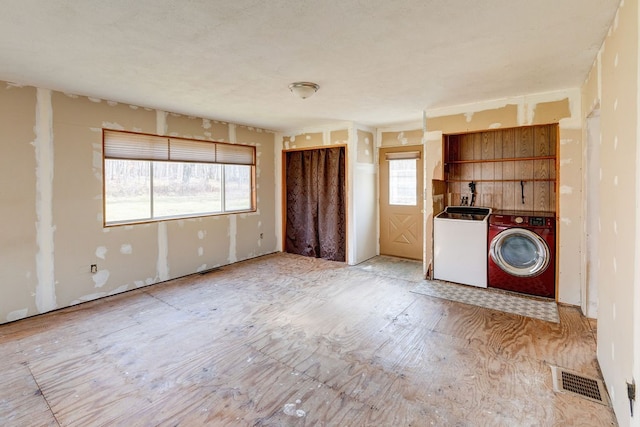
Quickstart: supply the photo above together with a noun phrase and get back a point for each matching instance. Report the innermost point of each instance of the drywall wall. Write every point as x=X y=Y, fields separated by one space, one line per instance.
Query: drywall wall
x=361 y=181
x=18 y=230
x=305 y=140
x=365 y=201
x=561 y=107
x=612 y=89
x=51 y=203
x=393 y=137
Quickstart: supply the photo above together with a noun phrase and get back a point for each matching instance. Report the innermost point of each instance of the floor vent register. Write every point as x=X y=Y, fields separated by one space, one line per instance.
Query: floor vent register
x=571 y=382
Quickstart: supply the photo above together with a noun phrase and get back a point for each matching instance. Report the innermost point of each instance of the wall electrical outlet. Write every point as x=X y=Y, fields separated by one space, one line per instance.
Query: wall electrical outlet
x=94 y=268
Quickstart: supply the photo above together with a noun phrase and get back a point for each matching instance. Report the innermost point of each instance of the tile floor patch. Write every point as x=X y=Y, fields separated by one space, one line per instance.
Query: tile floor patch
x=524 y=306
x=488 y=298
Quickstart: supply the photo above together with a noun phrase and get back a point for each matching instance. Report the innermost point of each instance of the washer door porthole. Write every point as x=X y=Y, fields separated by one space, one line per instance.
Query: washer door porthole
x=520 y=252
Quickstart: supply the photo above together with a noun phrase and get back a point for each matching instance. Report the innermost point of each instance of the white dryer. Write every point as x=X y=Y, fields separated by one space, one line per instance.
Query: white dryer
x=460 y=245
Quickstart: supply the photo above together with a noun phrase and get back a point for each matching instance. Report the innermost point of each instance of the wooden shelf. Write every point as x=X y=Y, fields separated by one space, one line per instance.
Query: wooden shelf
x=503 y=180
x=499 y=159
x=512 y=159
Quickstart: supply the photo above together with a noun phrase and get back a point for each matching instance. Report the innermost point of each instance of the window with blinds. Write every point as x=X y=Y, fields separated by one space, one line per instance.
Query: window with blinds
x=152 y=178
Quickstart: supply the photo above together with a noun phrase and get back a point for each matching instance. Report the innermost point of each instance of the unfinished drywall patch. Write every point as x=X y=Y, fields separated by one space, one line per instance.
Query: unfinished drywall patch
x=196 y=128
x=161 y=122
x=17 y=200
x=233 y=233
x=163 y=240
x=565 y=189
x=305 y=140
x=100 y=278
x=206 y=236
x=365 y=147
x=339 y=137
x=551 y=112
x=45 y=290
x=101 y=252
x=17 y=315
x=112 y=125
x=400 y=138
x=97 y=160
x=474 y=120
x=232 y=134
x=163 y=252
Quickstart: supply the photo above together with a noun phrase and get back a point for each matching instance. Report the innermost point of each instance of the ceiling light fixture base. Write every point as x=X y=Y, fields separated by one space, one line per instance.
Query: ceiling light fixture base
x=304 y=89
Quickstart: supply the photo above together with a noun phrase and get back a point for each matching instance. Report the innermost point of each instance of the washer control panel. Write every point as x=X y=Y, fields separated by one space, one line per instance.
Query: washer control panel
x=522 y=219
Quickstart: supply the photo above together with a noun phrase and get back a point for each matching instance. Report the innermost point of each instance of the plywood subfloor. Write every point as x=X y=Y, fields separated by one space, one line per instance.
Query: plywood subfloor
x=285 y=340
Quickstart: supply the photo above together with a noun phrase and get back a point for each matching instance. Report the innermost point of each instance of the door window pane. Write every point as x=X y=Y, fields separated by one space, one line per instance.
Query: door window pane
x=403 y=184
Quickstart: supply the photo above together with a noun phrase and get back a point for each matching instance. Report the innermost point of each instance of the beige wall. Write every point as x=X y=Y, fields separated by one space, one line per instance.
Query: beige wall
x=17 y=203
x=390 y=138
x=51 y=203
x=612 y=85
x=561 y=107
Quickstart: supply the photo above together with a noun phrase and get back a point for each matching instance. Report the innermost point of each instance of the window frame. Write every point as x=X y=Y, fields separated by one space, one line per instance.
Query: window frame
x=229 y=154
x=403 y=155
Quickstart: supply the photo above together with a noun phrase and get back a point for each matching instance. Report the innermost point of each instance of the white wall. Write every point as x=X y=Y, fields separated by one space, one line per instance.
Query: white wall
x=612 y=87
x=365 y=202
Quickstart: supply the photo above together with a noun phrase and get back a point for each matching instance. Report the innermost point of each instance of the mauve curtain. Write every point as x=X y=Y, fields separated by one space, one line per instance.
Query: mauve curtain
x=316 y=203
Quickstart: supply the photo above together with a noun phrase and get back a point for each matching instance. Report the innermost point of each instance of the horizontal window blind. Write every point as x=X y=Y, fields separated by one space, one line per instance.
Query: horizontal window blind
x=235 y=154
x=121 y=145
x=402 y=155
x=184 y=150
x=137 y=146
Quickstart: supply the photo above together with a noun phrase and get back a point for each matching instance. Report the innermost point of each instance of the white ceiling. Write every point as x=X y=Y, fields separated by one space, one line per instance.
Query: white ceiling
x=378 y=62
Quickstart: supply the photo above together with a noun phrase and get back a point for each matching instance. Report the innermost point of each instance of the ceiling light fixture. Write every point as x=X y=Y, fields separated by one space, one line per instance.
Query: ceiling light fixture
x=303 y=89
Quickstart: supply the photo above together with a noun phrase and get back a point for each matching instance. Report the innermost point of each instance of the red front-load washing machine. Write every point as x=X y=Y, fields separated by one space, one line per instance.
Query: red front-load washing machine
x=522 y=248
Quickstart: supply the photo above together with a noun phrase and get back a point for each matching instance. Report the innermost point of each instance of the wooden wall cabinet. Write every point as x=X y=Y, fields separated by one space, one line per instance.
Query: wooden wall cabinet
x=504 y=164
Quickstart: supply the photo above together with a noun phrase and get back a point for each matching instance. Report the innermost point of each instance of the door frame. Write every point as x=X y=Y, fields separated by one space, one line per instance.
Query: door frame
x=421 y=194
